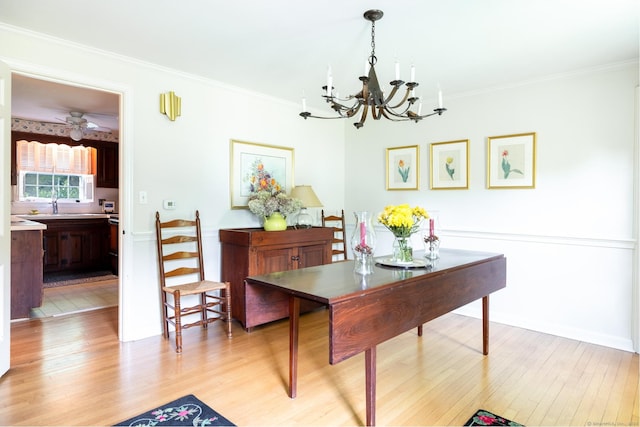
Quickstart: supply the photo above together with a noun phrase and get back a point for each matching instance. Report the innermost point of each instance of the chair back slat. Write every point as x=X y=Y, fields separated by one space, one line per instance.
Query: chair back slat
x=339 y=243
x=178 y=223
x=186 y=246
x=181 y=271
x=180 y=255
x=179 y=239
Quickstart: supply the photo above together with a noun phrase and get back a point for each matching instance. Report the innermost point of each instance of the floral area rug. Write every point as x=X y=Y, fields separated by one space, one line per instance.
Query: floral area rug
x=486 y=418
x=186 y=411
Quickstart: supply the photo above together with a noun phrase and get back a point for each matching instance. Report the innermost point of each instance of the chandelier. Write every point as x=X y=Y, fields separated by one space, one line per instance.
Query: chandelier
x=372 y=97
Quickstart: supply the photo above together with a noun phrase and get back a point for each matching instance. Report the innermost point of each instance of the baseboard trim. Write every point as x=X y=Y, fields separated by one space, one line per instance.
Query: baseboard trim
x=619 y=343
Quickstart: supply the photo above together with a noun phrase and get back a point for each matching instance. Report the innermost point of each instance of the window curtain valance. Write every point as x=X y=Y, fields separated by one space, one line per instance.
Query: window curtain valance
x=34 y=156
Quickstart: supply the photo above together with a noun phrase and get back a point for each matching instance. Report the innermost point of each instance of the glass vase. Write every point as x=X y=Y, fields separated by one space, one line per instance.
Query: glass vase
x=363 y=243
x=402 y=250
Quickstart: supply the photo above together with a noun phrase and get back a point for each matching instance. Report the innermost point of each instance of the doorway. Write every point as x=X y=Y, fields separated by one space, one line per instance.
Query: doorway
x=42 y=108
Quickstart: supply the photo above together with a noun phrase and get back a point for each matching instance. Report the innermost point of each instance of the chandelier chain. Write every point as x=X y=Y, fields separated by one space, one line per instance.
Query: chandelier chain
x=372 y=58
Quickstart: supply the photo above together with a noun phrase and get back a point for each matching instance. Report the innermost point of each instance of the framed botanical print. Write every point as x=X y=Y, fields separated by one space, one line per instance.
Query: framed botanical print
x=252 y=163
x=511 y=161
x=402 y=168
x=449 y=165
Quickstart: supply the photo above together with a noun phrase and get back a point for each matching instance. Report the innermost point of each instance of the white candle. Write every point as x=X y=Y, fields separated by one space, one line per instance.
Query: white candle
x=329 y=81
x=439 y=98
x=366 y=68
x=397 y=70
x=304 y=104
x=420 y=108
x=413 y=74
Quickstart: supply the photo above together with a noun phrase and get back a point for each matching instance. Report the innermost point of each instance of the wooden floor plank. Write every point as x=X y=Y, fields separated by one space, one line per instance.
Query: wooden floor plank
x=72 y=370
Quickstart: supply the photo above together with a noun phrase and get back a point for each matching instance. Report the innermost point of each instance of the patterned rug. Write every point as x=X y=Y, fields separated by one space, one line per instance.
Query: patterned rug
x=54 y=280
x=186 y=411
x=486 y=418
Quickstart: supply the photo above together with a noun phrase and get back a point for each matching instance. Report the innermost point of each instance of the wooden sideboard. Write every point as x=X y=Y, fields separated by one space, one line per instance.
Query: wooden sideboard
x=253 y=251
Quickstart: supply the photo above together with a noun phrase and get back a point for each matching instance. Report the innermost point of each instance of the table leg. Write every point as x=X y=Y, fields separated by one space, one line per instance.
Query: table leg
x=420 y=330
x=485 y=325
x=294 y=320
x=370 y=372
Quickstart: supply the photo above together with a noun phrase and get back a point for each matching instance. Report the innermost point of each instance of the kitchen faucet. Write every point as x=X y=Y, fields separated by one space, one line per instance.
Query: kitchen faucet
x=54 y=202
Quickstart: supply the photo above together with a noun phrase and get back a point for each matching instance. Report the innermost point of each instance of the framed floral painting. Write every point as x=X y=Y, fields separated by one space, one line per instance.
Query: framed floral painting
x=450 y=165
x=402 y=168
x=253 y=165
x=511 y=161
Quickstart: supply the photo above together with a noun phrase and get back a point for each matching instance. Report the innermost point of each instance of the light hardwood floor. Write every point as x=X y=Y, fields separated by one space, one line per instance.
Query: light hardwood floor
x=71 y=370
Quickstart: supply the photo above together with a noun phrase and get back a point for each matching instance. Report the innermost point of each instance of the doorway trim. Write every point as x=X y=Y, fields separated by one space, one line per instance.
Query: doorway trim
x=125 y=156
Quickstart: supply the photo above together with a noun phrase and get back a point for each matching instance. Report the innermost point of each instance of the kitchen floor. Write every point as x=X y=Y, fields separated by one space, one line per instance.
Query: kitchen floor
x=62 y=300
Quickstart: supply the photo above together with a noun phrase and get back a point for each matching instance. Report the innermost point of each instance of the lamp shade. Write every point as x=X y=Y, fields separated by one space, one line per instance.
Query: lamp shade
x=306 y=195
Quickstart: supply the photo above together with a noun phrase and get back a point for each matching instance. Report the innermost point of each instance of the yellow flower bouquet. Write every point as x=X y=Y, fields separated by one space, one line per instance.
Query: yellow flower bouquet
x=403 y=221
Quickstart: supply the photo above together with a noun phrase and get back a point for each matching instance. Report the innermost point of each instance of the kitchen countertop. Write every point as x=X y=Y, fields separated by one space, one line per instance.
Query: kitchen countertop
x=20 y=224
x=36 y=217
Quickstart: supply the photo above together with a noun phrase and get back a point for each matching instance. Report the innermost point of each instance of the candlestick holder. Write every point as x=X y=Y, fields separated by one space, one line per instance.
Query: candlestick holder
x=431 y=247
x=363 y=243
x=431 y=242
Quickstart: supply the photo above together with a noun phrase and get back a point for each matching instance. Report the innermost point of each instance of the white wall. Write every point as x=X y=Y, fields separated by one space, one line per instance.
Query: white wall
x=569 y=242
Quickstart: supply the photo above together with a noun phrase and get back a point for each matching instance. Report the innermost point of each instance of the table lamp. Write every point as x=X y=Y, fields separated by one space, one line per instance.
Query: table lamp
x=308 y=197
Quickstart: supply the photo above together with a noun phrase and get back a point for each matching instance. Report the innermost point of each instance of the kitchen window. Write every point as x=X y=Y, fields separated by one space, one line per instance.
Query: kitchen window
x=39 y=186
x=55 y=171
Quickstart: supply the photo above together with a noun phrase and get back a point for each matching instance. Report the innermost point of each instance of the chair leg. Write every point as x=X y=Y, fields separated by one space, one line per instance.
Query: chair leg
x=227 y=294
x=203 y=310
x=165 y=316
x=177 y=313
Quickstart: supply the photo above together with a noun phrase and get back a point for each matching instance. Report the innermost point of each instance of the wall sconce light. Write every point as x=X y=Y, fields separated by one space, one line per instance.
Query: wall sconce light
x=170 y=104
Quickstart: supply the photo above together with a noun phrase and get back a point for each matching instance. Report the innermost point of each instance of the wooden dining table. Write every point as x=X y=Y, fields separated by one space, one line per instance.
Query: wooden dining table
x=366 y=310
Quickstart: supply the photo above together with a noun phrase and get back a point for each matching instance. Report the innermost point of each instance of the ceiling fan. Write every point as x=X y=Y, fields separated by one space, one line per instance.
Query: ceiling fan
x=78 y=124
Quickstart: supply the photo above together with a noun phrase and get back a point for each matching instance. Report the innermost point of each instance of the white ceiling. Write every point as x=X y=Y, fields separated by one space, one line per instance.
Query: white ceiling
x=283 y=47
x=46 y=101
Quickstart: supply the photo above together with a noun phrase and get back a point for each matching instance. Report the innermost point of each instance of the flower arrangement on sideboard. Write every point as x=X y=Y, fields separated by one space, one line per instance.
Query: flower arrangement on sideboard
x=267 y=195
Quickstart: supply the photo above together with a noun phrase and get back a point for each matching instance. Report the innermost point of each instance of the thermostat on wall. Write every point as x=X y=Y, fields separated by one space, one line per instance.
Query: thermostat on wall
x=108 y=207
x=169 y=204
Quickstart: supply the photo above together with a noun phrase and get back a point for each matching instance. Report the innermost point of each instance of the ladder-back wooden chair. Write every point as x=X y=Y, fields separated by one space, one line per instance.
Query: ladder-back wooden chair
x=181 y=270
x=339 y=246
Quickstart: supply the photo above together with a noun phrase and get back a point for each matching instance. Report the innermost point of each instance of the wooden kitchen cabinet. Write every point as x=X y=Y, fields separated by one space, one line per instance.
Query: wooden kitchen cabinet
x=253 y=251
x=75 y=245
x=113 y=245
x=107 y=156
x=26 y=272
